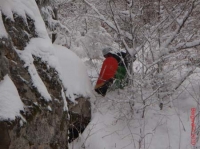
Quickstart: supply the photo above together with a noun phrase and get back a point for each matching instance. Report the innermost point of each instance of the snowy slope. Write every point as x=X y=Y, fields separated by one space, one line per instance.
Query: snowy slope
x=115 y=125
x=110 y=129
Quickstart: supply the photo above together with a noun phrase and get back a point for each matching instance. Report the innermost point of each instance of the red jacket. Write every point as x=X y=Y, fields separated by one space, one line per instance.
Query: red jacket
x=108 y=71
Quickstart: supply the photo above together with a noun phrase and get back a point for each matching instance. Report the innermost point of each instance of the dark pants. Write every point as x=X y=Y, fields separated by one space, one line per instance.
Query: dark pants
x=103 y=89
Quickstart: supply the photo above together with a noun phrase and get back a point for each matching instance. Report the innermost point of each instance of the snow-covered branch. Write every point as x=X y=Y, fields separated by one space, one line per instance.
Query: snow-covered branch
x=186 y=45
x=110 y=24
x=181 y=24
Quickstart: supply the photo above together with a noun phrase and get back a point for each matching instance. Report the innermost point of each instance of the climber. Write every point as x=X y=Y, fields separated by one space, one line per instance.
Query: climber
x=113 y=70
x=107 y=73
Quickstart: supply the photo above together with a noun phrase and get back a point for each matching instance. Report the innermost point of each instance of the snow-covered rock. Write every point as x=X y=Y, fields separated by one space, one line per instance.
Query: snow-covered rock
x=39 y=94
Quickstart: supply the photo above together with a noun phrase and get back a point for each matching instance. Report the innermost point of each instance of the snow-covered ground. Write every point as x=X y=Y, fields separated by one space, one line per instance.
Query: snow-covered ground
x=118 y=124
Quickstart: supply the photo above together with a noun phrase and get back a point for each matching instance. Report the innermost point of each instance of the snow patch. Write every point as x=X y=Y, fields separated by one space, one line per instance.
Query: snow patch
x=3 y=32
x=36 y=80
x=73 y=74
x=70 y=68
x=49 y=108
x=10 y=102
x=65 y=108
x=24 y=8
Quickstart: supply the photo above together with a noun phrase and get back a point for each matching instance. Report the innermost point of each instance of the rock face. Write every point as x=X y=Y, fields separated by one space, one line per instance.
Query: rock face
x=46 y=125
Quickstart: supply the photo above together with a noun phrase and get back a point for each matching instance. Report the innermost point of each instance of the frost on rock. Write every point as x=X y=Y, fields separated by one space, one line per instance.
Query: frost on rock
x=10 y=102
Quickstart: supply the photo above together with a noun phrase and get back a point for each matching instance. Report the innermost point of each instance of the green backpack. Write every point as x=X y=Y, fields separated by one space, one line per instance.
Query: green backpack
x=120 y=75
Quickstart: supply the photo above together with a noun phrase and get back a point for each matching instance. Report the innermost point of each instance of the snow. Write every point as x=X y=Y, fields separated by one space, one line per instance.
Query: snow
x=70 y=68
x=73 y=73
x=112 y=129
x=109 y=23
x=65 y=108
x=74 y=78
x=180 y=21
x=49 y=108
x=115 y=125
x=188 y=44
x=24 y=8
x=3 y=32
x=26 y=56
x=10 y=102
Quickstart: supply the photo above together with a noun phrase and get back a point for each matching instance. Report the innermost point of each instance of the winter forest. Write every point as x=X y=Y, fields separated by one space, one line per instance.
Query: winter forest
x=51 y=55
